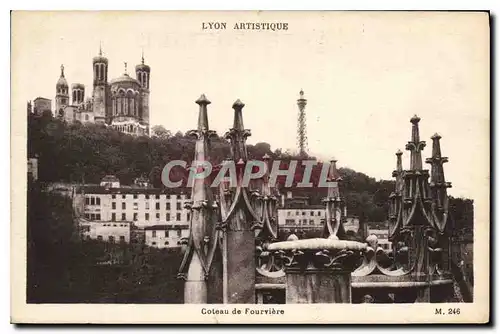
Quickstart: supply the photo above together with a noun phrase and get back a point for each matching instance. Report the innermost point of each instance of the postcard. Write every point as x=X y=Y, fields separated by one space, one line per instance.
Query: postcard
x=250 y=167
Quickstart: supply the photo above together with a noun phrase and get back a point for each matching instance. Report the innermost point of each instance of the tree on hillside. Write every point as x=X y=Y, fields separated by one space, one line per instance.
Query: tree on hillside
x=160 y=132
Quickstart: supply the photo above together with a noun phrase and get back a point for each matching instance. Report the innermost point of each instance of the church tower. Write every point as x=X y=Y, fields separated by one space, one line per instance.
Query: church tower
x=100 y=64
x=62 y=95
x=142 y=72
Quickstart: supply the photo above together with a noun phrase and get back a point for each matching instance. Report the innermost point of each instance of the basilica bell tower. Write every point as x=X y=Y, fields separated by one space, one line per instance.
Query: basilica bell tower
x=100 y=65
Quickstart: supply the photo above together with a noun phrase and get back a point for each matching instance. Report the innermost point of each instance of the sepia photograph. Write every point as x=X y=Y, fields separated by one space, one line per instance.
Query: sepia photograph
x=189 y=167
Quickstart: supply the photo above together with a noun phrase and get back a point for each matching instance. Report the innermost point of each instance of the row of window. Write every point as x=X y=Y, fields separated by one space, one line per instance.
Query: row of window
x=97 y=216
x=136 y=196
x=300 y=221
x=92 y=200
x=111 y=238
x=115 y=225
x=93 y=216
x=146 y=216
x=303 y=213
x=166 y=243
x=136 y=206
x=178 y=234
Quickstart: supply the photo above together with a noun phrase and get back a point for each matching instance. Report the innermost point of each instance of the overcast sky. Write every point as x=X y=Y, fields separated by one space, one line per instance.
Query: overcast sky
x=364 y=76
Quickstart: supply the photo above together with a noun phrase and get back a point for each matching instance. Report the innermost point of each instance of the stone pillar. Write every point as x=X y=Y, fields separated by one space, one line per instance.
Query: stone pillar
x=314 y=285
x=240 y=267
x=318 y=270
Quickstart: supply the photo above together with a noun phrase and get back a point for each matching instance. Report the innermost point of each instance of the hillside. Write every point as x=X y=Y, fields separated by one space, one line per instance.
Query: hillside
x=86 y=153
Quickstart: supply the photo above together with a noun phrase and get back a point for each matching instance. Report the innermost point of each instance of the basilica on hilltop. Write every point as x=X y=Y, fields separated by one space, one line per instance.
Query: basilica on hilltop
x=121 y=103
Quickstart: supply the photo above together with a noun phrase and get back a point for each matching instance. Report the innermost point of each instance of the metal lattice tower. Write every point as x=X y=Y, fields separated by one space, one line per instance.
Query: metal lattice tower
x=301 y=125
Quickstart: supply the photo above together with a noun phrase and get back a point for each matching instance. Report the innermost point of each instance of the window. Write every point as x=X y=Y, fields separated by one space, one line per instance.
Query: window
x=166 y=243
x=113 y=206
x=122 y=238
x=157 y=216
x=178 y=205
x=157 y=205
x=157 y=196
x=188 y=216
x=147 y=196
x=166 y=234
x=319 y=213
x=147 y=216
x=124 y=217
x=312 y=213
x=87 y=200
x=113 y=225
x=98 y=201
x=113 y=216
x=167 y=206
x=178 y=217
x=123 y=196
x=98 y=216
x=87 y=216
x=92 y=201
x=311 y=221
x=154 y=234
x=179 y=233
x=289 y=213
x=124 y=205
x=303 y=213
x=113 y=196
x=153 y=243
x=135 y=196
x=297 y=213
x=135 y=216
x=147 y=205
x=111 y=239
x=136 y=206
x=289 y=221
x=168 y=216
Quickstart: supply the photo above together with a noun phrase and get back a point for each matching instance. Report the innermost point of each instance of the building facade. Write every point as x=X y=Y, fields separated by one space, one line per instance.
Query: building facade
x=142 y=207
x=121 y=103
x=113 y=232
x=166 y=236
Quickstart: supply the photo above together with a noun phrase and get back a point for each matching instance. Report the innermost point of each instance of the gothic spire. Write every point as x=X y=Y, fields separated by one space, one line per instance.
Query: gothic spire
x=335 y=208
x=238 y=135
x=203 y=102
x=398 y=173
x=333 y=176
x=197 y=262
x=438 y=183
x=415 y=146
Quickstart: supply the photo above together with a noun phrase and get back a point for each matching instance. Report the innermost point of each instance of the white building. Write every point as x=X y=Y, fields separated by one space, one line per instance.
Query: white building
x=110 y=232
x=141 y=206
x=301 y=217
x=165 y=236
x=351 y=224
x=382 y=235
x=110 y=181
